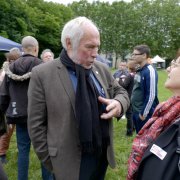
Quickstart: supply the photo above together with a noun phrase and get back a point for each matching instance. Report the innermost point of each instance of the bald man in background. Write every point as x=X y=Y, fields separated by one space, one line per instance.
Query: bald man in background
x=14 y=101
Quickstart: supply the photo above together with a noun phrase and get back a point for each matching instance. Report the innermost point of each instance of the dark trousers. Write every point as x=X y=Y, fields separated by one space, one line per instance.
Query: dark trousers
x=46 y=175
x=129 y=117
x=2 y=173
x=138 y=123
x=93 y=167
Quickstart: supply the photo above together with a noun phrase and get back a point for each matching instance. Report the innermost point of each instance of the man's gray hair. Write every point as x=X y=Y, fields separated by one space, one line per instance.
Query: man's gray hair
x=46 y=50
x=74 y=30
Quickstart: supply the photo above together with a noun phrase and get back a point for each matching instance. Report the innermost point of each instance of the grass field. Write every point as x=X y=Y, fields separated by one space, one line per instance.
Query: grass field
x=121 y=142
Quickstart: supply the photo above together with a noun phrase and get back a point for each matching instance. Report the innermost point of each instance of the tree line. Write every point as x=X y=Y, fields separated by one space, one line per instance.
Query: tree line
x=122 y=25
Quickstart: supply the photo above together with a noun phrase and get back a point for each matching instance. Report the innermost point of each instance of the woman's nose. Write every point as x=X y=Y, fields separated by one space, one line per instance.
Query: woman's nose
x=168 y=69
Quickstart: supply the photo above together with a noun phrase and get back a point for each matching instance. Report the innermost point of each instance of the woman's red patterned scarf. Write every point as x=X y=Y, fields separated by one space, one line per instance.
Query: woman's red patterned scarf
x=165 y=114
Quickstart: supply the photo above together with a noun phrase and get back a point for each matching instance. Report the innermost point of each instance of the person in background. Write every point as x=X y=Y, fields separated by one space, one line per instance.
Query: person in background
x=47 y=55
x=165 y=114
x=122 y=70
x=132 y=67
x=103 y=60
x=126 y=80
x=71 y=104
x=14 y=101
x=149 y=60
x=11 y=56
x=144 y=98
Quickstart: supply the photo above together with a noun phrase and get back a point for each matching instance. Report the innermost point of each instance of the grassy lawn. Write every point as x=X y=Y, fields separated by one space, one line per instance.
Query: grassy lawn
x=121 y=142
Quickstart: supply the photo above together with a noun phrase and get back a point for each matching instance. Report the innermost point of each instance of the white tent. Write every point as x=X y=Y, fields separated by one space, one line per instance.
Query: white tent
x=159 y=62
x=157 y=59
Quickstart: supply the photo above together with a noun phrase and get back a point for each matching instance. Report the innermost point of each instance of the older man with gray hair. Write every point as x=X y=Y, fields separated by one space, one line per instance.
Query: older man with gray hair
x=47 y=55
x=71 y=104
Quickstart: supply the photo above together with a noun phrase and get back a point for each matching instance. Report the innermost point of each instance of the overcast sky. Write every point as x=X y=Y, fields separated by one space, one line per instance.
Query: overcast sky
x=65 y=2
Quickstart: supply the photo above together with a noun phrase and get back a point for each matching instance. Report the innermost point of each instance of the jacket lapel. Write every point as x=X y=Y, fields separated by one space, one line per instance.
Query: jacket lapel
x=66 y=82
x=98 y=76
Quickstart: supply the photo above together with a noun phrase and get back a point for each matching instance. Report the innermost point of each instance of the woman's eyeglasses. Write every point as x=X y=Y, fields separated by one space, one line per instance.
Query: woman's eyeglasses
x=174 y=63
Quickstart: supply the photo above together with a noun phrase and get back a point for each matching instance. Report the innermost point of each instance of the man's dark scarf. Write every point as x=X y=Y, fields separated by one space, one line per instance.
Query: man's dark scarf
x=93 y=132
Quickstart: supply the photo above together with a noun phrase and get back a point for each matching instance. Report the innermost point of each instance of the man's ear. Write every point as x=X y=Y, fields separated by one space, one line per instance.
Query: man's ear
x=36 y=50
x=145 y=56
x=68 y=44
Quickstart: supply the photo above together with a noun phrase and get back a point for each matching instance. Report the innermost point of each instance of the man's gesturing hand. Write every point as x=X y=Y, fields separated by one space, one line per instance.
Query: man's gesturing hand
x=113 y=108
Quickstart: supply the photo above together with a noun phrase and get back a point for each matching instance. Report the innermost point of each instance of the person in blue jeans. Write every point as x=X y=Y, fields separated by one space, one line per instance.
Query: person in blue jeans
x=14 y=101
x=24 y=144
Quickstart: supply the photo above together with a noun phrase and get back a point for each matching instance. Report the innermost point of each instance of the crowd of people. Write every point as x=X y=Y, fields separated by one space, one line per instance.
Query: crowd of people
x=13 y=102
x=65 y=106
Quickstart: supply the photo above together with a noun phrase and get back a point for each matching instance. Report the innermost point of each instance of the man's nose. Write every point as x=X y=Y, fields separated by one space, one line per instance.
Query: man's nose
x=95 y=52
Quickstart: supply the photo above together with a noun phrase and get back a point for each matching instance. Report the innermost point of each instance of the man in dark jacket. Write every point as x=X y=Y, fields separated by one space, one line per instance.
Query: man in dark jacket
x=126 y=80
x=14 y=101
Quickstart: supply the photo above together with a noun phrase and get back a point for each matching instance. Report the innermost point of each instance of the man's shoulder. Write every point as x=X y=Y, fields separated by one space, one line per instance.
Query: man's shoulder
x=148 y=69
x=48 y=66
x=27 y=56
x=117 y=71
x=101 y=65
x=27 y=59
